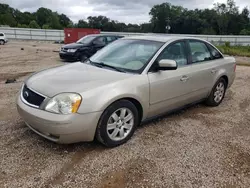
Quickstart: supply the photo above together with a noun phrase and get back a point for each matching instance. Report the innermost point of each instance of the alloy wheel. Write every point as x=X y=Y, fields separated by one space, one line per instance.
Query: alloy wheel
x=120 y=124
x=219 y=92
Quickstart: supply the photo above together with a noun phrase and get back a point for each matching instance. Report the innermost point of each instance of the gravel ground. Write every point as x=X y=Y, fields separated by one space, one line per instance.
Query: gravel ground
x=196 y=147
x=243 y=60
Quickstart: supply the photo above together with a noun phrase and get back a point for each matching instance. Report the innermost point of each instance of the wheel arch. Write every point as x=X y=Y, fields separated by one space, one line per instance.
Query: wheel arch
x=133 y=100
x=225 y=78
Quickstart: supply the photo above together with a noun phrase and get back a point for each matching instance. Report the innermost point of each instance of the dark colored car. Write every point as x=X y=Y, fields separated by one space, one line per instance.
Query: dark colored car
x=86 y=47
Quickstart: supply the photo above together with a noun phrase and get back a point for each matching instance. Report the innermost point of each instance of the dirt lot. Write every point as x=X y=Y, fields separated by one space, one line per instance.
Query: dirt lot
x=197 y=147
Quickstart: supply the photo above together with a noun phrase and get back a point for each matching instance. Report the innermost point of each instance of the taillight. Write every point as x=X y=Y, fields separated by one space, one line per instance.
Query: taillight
x=234 y=67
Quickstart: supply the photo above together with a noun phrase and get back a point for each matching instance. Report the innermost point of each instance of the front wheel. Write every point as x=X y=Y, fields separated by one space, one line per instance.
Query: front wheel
x=117 y=124
x=2 y=42
x=218 y=93
x=83 y=58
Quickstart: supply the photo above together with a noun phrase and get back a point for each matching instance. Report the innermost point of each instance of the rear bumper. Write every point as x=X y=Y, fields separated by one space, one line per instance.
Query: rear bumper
x=231 y=79
x=58 y=128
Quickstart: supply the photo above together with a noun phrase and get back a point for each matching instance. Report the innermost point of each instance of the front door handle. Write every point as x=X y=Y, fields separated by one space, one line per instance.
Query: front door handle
x=184 y=78
x=213 y=71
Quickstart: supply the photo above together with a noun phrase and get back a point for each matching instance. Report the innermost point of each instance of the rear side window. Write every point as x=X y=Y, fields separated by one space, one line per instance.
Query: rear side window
x=1 y=35
x=199 y=51
x=215 y=53
x=110 y=39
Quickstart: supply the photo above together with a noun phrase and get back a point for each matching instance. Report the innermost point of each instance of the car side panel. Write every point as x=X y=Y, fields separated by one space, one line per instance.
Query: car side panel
x=168 y=91
x=203 y=76
x=98 y=99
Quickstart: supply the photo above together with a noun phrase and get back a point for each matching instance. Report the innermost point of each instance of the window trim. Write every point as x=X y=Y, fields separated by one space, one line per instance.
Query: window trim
x=190 y=53
x=212 y=47
x=150 y=70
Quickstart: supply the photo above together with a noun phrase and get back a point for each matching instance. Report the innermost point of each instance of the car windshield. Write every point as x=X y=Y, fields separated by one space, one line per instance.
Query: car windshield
x=130 y=55
x=86 y=39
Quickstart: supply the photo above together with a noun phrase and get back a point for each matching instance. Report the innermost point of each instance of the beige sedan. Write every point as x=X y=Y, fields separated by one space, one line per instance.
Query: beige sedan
x=124 y=84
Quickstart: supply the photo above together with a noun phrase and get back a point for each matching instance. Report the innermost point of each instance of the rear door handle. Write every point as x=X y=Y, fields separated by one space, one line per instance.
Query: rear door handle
x=184 y=78
x=213 y=71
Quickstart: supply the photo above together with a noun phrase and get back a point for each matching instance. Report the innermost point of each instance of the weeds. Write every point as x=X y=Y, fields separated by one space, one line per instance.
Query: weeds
x=235 y=50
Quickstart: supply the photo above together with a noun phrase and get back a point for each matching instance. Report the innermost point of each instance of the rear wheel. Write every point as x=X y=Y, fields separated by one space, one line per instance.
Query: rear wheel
x=117 y=124
x=2 y=42
x=218 y=93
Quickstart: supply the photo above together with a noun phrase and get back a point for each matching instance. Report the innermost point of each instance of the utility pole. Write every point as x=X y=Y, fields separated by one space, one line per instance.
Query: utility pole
x=168 y=27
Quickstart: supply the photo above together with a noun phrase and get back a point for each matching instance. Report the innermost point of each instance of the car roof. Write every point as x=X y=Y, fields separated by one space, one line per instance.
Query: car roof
x=104 y=35
x=160 y=38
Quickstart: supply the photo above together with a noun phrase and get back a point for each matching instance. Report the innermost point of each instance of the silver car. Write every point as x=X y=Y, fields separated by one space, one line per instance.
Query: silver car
x=129 y=81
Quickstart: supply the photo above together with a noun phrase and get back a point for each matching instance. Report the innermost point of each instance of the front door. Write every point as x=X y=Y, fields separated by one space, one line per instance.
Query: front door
x=98 y=44
x=170 y=89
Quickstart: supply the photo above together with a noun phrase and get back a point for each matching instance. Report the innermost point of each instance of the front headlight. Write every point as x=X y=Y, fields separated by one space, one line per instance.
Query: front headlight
x=72 y=50
x=65 y=103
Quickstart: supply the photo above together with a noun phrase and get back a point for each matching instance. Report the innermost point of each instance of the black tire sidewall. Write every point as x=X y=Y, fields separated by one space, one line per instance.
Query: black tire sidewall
x=211 y=100
x=82 y=57
x=2 y=42
x=101 y=132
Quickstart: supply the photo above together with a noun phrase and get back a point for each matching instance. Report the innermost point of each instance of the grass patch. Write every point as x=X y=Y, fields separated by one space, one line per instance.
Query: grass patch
x=235 y=50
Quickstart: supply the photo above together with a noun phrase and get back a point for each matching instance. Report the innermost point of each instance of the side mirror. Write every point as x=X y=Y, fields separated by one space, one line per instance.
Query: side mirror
x=167 y=64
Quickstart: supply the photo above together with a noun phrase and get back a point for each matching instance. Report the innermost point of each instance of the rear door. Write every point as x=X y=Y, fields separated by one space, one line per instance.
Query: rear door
x=203 y=68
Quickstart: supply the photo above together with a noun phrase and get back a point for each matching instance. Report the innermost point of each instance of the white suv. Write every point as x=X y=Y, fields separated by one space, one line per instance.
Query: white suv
x=3 y=39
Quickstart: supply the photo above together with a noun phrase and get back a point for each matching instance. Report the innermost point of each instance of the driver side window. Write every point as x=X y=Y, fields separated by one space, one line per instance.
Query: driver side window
x=175 y=51
x=100 y=41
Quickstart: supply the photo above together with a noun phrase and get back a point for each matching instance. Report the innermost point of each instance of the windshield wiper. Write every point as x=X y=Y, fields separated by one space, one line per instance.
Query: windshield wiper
x=101 y=64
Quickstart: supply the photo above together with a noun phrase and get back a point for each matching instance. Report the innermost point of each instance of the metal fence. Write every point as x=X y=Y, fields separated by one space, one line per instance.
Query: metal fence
x=33 y=34
x=58 y=35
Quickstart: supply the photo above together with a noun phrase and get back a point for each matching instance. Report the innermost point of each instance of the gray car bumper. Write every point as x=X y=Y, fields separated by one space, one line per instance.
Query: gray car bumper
x=58 y=128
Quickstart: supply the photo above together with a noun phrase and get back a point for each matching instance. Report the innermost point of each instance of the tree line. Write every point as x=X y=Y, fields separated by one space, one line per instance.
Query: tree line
x=222 y=19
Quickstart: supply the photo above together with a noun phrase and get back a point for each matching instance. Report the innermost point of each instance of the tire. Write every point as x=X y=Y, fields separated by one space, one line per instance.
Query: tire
x=212 y=100
x=2 y=42
x=83 y=58
x=120 y=130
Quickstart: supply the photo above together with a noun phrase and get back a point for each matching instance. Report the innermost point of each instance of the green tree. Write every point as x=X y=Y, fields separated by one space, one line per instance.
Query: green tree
x=33 y=24
x=224 y=18
x=43 y=16
x=160 y=17
x=22 y=26
x=64 y=20
x=46 y=26
x=82 y=24
x=53 y=21
x=245 y=32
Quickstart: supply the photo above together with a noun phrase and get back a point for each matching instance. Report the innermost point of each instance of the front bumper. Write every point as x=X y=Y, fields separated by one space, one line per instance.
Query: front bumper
x=59 y=128
x=68 y=55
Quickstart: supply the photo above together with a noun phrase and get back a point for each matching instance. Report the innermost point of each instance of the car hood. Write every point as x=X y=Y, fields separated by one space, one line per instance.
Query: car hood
x=77 y=77
x=74 y=45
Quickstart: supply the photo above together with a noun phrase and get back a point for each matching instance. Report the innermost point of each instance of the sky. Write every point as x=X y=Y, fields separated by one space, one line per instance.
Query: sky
x=128 y=11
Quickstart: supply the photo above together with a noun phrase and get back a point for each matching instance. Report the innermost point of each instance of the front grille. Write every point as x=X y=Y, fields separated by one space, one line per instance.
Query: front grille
x=31 y=97
x=64 y=49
